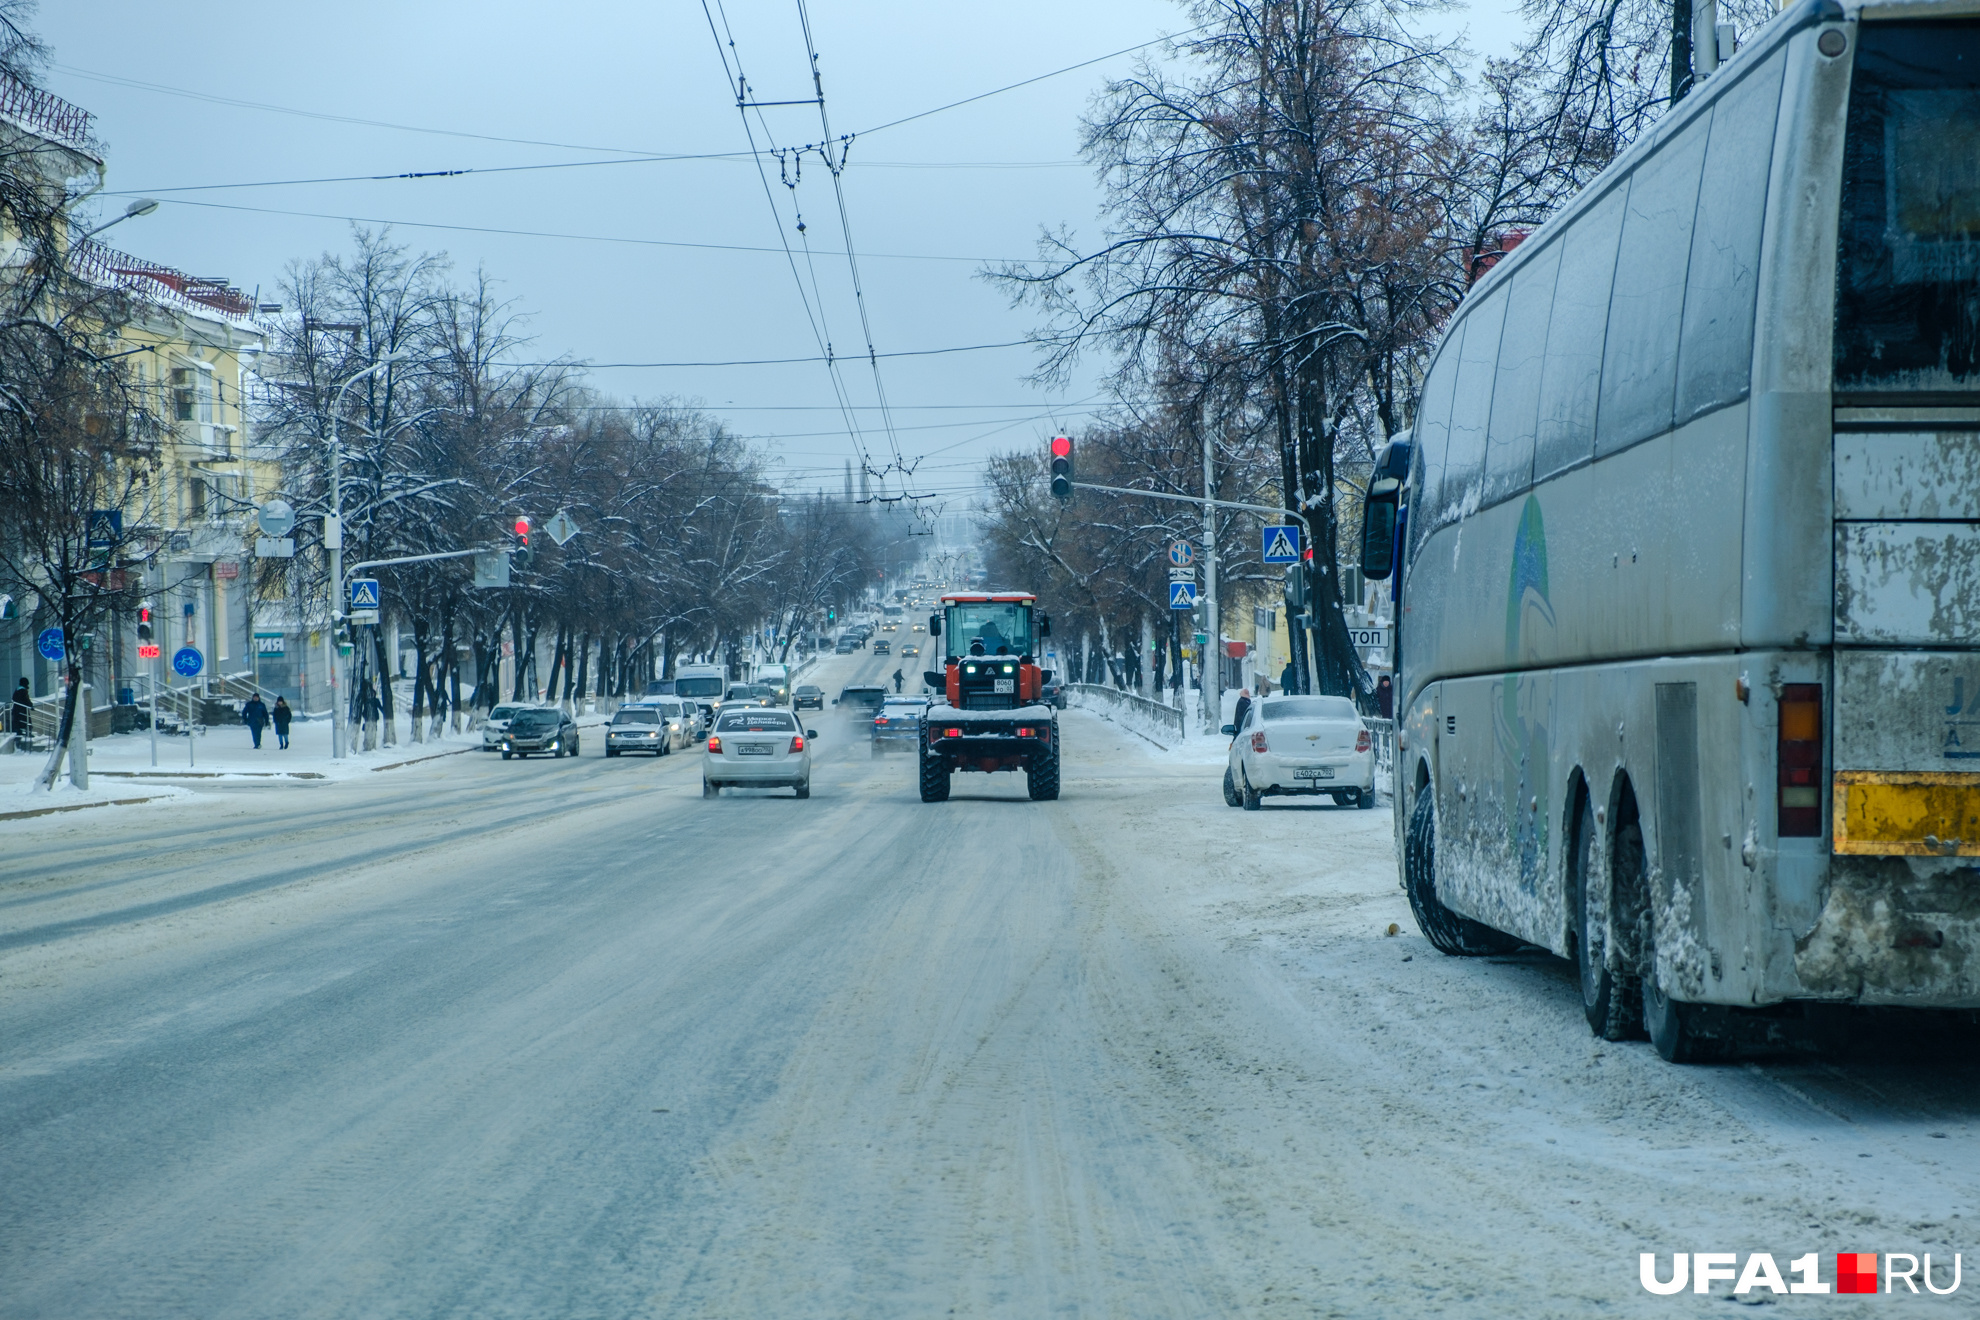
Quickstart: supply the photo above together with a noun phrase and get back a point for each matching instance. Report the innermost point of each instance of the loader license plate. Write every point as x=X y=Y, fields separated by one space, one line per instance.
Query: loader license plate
x=1314 y=772
x=1003 y=685
x=753 y=749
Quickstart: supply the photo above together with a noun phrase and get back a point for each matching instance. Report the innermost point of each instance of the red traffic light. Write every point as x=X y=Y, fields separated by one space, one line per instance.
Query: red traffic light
x=522 y=527
x=1062 y=469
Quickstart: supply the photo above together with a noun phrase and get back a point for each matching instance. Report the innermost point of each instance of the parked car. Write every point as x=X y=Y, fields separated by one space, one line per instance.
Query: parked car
x=859 y=698
x=646 y=726
x=897 y=725
x=757 y=747
x=1300 y=746
x=497 y=725
x=848 y=644
x=540 y=729
x=808 y=696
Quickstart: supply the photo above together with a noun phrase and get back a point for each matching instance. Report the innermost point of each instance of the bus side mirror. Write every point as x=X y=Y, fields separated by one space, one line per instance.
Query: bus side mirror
x=1378 y=529
x=934 y=625
x=1044 y=625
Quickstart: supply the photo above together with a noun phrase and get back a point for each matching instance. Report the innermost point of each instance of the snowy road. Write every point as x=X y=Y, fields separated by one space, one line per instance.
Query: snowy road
x=563 y=1038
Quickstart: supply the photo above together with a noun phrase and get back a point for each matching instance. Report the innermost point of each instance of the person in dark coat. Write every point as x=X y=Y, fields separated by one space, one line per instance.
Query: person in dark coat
x=1385 y=698
x=1289 y=678
x=1243 y=709
x=255 y=715
x=282 y=715
x=23 y=707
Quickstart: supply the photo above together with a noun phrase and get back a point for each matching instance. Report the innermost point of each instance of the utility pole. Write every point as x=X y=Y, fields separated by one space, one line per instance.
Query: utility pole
x=1211 y=659
x=333 y=542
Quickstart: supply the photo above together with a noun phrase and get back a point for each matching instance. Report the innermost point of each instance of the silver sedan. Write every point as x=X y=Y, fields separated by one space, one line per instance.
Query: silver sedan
x=757 y=748
x=1302 y=746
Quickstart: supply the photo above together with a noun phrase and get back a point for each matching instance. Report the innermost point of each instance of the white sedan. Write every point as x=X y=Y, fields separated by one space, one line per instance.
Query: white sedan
x=757 y=747
x=1301 y=746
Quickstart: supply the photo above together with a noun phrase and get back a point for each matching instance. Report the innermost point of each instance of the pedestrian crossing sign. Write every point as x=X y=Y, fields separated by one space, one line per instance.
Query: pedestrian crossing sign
x=1282 y=544
x=1182 y=595
x=364 y=593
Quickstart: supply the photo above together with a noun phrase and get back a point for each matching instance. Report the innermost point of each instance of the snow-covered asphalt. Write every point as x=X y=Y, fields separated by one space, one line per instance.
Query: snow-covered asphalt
x=561 y=1038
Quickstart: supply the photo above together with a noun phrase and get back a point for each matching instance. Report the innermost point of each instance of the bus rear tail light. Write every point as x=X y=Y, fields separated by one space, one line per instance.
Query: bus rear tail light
x=1798 y=754
x=1258 y=742
x=1362 y=742
x=714 y=745
x=952 y=733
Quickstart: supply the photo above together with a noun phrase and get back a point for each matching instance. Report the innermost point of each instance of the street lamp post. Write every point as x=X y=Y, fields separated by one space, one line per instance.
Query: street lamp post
x=333 y=544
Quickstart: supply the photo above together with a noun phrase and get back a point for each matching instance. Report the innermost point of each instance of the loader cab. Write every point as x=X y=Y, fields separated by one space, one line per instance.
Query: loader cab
x=990 y=641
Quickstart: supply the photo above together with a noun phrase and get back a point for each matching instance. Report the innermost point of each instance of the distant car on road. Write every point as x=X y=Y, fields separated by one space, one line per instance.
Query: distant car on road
x=808 y=696
x=757 y=747
x=910 y=650
x=882 y=647
x=897 y=724
x=646 y=726
x=540 y=729
x=858 y=698
x=1300 y=746
x=748 y=694
x=497 y=725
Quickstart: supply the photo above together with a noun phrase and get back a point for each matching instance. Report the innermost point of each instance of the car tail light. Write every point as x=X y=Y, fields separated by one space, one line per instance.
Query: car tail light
x=952 y=733
x=1027 y=733
x=714 y=745
x=880 y=719
x=797 y=743
x=1258 y=742
x=1361 y=742
x=1799 y=756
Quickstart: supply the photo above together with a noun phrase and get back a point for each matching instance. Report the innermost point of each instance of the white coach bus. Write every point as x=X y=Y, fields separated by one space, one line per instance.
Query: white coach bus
x=1687 y=536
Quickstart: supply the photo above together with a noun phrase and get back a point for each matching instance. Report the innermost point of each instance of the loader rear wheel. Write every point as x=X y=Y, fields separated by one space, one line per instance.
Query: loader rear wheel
x=1041 y=777
x=934 y=776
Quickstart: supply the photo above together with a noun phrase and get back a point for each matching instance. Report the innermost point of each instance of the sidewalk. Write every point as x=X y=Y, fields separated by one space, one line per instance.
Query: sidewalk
x=121 y=771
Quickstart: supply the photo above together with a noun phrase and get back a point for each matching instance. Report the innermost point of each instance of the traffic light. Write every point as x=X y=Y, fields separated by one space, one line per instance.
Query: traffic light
x=144 y=623
x=1062 y=474
x=831 y=614
x=519 y=548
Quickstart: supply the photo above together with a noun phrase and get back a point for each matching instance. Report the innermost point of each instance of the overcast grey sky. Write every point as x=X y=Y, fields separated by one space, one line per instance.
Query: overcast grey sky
x=930 y=201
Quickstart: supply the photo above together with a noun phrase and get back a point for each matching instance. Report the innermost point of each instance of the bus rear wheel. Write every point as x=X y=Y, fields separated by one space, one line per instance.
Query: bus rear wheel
x=1609 y=999
x=1446 y=930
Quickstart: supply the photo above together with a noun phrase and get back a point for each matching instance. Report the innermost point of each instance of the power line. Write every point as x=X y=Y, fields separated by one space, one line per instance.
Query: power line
x=740 y=84
x=539 y=233
x=792 y=361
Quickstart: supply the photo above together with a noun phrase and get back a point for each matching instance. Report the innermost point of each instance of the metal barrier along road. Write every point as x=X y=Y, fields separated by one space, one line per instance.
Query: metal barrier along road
x=1384 y=733
x=1098 y=697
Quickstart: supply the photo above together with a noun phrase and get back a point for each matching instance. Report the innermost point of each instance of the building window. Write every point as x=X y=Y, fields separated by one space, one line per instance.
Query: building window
x=198 y=497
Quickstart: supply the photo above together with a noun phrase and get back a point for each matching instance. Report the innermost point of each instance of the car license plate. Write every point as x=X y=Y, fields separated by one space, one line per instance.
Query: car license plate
x=753 y=749
x=1004 y=685
x=1314 y=772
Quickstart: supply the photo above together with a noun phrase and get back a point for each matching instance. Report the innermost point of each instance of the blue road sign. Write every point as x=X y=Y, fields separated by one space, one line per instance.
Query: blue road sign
x=1182 y=595
x=1282 y=544
x=187 y=662
x=1181 y=554
x=49 y=642
x=364 y=593
x=106 y=528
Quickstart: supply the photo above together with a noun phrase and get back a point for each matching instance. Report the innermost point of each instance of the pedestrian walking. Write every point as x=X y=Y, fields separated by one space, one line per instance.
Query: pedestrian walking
x=1289 y=678
x=1243 y=709
x=255 y=715
x=898 y=680
x=23 y=708
x=1385 y=698
x=282 y=715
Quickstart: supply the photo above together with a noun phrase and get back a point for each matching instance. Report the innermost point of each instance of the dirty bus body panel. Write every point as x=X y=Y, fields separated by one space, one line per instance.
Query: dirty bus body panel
x=1688 y=609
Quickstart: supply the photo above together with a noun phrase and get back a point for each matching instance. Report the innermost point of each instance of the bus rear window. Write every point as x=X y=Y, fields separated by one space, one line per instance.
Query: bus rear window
x=1908 y=268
